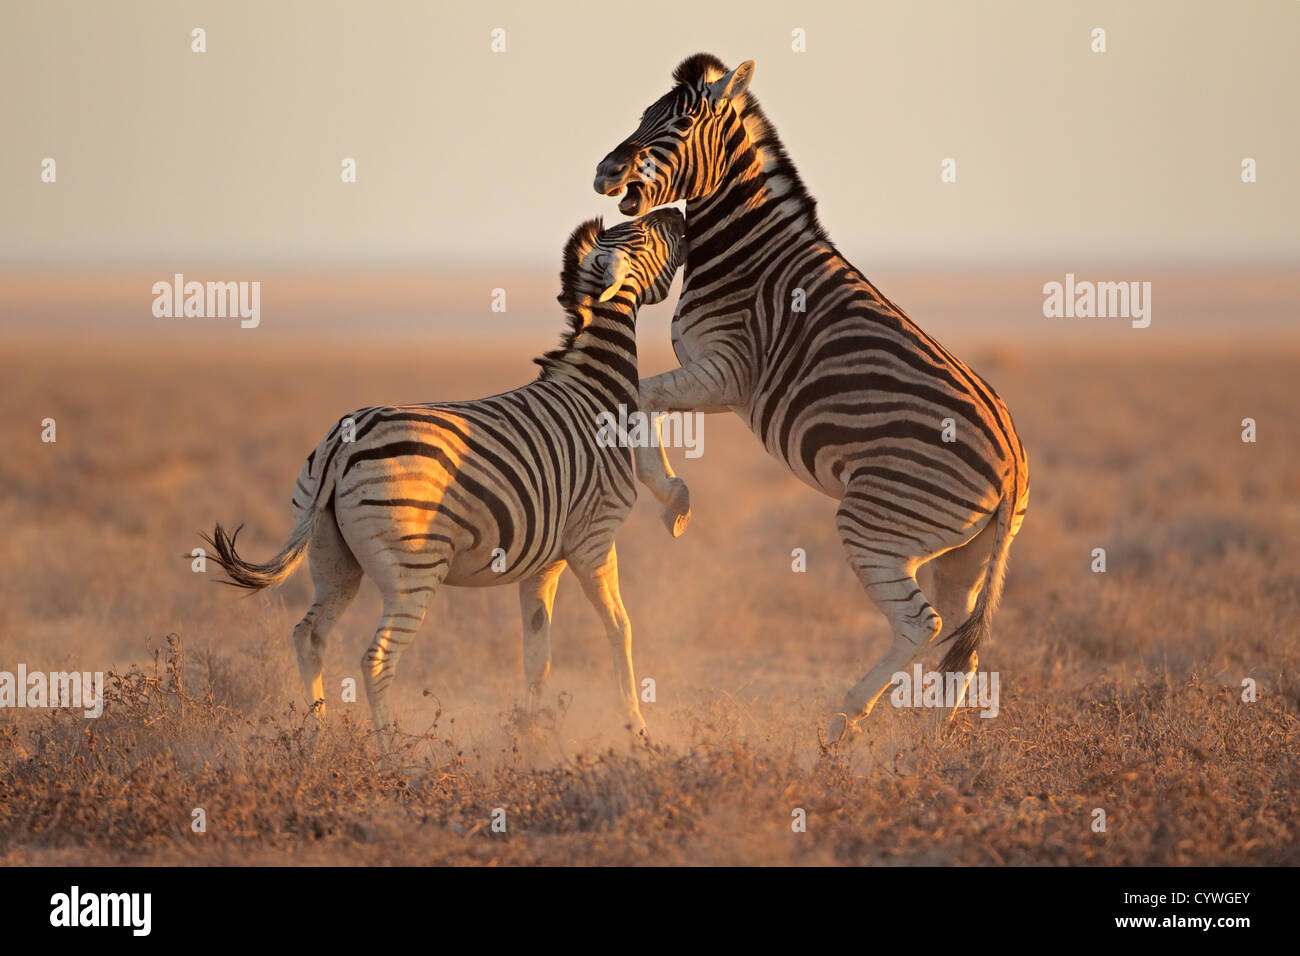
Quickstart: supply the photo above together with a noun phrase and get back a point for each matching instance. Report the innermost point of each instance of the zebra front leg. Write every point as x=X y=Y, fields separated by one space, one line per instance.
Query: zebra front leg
x=654 y=471
x=536 y=598
x=702 y=386
x=599 y=580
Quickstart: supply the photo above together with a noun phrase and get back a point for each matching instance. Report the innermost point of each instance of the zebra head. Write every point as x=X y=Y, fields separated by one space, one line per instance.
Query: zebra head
x=634 y=260
x=683 y=146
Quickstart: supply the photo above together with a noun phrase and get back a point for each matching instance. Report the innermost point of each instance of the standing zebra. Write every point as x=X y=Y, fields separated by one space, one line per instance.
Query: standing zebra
x=776 y=325
x=509 y=488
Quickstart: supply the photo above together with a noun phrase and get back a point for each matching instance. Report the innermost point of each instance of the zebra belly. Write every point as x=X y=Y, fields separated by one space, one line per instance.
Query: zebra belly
x=826 y=474
x=927 y=476
x=482 y=568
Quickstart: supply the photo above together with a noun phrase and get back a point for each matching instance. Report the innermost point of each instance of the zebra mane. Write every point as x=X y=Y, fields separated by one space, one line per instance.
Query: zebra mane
x=700 y=66
x=575 y=250
x=705 y=68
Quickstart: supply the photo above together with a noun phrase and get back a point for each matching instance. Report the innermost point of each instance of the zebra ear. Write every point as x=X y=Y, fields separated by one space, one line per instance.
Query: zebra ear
x=615 y=272
x=732 y=85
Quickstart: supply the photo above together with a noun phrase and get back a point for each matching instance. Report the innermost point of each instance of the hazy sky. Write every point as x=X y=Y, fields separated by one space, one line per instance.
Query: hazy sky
x=168 y=159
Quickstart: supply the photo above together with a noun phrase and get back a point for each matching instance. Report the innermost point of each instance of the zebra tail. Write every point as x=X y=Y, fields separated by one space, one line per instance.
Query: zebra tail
x=965 y=641
x=254 y=577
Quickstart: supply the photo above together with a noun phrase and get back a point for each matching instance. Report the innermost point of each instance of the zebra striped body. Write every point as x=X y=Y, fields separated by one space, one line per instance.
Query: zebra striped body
x=836 y=381
x=455 y=488
x=510 y=488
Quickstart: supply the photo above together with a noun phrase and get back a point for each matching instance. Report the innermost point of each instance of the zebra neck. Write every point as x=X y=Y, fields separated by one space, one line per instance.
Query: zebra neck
x=762 y=204
x=599 y=358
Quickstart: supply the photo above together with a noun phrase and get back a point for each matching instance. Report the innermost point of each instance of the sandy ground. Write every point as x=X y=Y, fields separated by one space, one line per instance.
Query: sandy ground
x=1120 y=691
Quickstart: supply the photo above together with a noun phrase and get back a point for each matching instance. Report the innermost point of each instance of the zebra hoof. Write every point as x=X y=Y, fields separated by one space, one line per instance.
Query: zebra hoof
x=676 y=523
x=677 y=510
x=838 y=730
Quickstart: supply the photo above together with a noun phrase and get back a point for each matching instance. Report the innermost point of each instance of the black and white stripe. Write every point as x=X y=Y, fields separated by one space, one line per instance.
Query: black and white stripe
x=510 y=488
x=850 y=393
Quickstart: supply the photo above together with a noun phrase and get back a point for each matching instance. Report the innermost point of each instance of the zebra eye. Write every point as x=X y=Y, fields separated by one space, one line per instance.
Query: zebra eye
x=601 y=261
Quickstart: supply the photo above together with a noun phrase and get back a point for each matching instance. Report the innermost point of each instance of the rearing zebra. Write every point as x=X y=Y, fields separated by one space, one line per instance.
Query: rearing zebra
x=418 y=496
x=776 y=325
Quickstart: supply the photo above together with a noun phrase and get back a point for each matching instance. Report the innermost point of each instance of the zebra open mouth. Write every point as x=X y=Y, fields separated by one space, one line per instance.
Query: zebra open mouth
x=633 y=201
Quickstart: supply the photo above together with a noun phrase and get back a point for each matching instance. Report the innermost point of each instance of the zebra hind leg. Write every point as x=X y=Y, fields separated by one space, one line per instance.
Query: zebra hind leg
x=883 y=565
x=336 y=577
x=404 y=611
x=957 y=577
